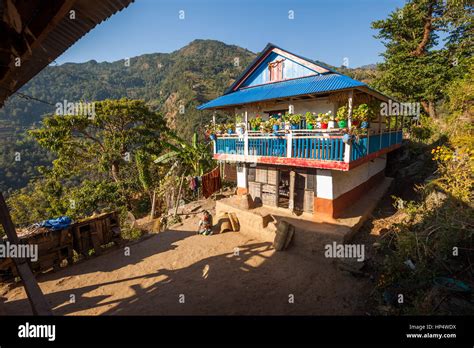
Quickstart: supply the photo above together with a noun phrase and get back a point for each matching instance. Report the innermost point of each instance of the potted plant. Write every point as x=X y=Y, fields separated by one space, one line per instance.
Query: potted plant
x=331 y=121
x=356 y=132
x=255 y=123
x=361 y=114
x=230 y=127
x=272 y=124
x=285 y=121
x=323 y=119
x=295 y=120
x=239 y=126
x=310 y=120
x=210 y=131
x=341 y=116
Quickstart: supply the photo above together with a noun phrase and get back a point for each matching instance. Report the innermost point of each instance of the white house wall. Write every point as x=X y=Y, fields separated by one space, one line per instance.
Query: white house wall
x=300 y=107
x=346 y=181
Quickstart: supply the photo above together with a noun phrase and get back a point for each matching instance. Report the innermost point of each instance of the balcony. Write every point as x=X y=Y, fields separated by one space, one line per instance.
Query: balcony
x=305 y=148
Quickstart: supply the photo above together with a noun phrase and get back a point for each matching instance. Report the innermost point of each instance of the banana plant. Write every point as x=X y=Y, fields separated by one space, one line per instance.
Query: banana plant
x=194 y=158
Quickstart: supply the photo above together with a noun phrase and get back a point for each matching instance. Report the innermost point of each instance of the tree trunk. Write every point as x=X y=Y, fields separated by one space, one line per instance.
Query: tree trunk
x=430 y=108
x=427 y=30
x=115 y=171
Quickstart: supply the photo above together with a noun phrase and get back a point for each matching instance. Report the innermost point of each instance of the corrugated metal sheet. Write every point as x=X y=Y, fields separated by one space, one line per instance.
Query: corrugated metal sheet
x=284 y=89
x=57 y=39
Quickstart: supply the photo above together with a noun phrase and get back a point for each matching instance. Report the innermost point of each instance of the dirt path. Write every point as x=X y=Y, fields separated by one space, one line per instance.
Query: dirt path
x=207 y=271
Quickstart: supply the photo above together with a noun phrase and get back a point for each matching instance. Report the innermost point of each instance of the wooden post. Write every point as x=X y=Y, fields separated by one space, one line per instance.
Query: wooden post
x=38 y=302
x=179 y=194
x=246 y=135
x=291 y=202
x=349 y=108
x=246 y=117
x=153 y=206
x=380 y=129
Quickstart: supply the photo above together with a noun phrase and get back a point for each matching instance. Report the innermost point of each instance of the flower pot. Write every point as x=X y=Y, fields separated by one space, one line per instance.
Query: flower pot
x=212 y=137
x=365 y=125
x=294 y=126
x=342 y=123
x=324 y=125
x=309 y=126
x=355 y=123
x=230 y=131
x=255 y=129
x=240 y=130
x=276 y=127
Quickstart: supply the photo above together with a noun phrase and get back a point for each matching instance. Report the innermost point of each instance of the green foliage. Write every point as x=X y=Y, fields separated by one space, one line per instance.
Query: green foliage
x=437 y=233
x=421 y=133
x=104 y=143
x=102 y=163
x=19 y=161
x=310 y=118
x=415 y=69
x=38 y=201
x=194 y=157
x=362 y=113
x=295 y=118
x=255 y=123
x=342 y=113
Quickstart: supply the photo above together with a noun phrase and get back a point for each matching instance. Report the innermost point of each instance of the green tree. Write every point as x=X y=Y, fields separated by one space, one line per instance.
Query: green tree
x=104 y=142
x=415 y=69
x=94 y=166
x=186 y=158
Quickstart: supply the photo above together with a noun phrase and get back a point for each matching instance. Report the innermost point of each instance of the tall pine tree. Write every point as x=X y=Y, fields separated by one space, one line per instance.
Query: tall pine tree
x=417 y=65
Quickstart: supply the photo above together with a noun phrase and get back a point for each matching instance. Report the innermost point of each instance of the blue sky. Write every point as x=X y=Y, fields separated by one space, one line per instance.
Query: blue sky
x=326 y=30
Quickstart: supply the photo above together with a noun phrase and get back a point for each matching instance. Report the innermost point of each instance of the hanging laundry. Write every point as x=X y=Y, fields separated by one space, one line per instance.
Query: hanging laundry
x=211 y=182
x=192 y=184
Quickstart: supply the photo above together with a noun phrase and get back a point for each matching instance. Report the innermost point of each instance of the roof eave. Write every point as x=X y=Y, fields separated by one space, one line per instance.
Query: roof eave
x=272 y=99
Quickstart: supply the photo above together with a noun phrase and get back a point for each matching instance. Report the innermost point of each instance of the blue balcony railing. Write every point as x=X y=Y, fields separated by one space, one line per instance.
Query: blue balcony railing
x=306 y=145
x=374 y=143
x=318 y=148
x=230 y=145
x=275 y=146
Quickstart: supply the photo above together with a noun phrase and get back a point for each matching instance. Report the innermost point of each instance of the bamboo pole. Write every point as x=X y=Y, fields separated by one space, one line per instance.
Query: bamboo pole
x=179 y=195
x=153 y=206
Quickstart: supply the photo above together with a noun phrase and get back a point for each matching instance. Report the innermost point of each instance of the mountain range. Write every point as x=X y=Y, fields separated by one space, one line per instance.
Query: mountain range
x=190 y=76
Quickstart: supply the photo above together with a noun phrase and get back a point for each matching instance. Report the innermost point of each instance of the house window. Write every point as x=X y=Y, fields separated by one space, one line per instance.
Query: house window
x=276 y=70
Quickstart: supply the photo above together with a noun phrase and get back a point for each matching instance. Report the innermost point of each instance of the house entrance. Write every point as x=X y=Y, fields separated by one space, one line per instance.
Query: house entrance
x=284 y=189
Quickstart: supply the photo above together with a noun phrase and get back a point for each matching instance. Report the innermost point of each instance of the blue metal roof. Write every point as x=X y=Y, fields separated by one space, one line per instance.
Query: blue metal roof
x=300 y=86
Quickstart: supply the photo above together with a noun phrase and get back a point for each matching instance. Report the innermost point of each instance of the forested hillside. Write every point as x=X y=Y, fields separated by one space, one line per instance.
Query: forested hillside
x=188 y=77
x=185 y=78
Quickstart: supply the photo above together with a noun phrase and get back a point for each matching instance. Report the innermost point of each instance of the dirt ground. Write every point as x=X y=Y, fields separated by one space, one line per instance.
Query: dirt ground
x=177 y=272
